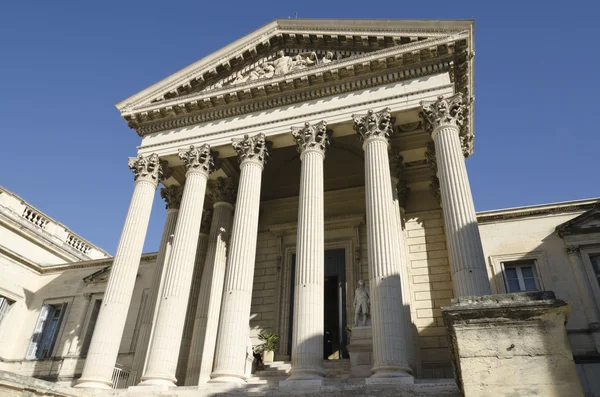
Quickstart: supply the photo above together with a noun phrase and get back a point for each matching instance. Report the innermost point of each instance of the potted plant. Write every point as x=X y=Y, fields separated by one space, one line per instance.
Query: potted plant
x=267 y=347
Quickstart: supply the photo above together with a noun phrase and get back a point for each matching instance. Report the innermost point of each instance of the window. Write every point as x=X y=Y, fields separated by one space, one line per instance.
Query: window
x=46 y=331
x=520 y=276
x=595 y=259
x=4 y=306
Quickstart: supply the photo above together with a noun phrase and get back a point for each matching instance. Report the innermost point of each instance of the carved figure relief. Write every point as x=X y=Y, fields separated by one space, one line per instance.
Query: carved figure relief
x=362 y=304
x=281 y=65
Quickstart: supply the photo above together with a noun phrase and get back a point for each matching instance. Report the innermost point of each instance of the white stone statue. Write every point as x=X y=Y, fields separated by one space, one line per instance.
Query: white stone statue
x=282 y=64
x=362 y=303
x=327 y=58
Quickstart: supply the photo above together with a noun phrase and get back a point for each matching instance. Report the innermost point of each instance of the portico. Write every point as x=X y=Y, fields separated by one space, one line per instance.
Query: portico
x=306 y=143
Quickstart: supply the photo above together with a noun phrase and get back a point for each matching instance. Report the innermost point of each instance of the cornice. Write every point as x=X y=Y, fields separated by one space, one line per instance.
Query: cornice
x=527 y=212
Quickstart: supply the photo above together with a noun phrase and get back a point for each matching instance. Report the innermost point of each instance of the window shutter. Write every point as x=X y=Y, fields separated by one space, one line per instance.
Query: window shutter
x=58 y=330
x=37 y=332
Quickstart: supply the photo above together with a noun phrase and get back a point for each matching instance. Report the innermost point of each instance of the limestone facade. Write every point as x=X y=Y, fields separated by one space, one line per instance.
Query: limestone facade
x=327 y=152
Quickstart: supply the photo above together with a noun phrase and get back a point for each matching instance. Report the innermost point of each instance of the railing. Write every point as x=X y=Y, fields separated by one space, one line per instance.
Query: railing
x=79 y=245
x=122 y=378
x=34 y=217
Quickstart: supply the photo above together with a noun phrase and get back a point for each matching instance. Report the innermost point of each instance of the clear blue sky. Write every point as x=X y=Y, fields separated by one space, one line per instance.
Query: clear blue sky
x=64 y=64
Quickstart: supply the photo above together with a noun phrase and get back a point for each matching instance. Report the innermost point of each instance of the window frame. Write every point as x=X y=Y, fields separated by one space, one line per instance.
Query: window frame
x=8 y=305
x=586 y=252
x=66 y=303
x=518 y=265
x=498 y=274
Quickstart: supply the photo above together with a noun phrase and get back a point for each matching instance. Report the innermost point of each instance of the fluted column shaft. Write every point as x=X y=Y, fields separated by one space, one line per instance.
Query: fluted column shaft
x=307 y=335
x=204 y=338
x=232 y=339
x=141 y=348
x=389 y=339
x=104 y=346
x=188 y=328
x=170 y=319
x=585 y=292
x=404 y=277
x=467 y=261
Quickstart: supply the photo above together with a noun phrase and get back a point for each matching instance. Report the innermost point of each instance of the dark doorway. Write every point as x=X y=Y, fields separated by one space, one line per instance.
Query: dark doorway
x=335 y=336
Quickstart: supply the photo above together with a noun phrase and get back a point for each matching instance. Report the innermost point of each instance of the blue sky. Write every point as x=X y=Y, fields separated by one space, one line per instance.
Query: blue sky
x=64 y=64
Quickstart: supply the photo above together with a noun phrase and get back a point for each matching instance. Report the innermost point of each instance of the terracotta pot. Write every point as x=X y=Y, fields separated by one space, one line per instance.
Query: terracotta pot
x=268 y=356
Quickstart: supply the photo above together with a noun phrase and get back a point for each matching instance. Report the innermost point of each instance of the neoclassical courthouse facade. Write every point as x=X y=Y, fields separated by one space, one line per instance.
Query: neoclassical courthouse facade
x=294 y=163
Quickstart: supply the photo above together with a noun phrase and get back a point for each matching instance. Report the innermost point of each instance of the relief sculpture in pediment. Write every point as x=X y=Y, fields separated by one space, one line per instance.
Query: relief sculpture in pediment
x=281 y=65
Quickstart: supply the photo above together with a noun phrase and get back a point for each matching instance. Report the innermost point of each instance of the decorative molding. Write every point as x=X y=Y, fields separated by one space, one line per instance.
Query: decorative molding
x=430 y=157
x=574 y=226
x=315 y=114
x=403 y=192
x=442 y=113
x=172 y=196
x=206 y=221
x=198 y=159
x=312 y=137
x=223 y=189
x=254 y=148
x=572 y=249
x=526 y=213
x=435 y=187
x=150 y=168
x=374 y=124
x=396 y=162
x=331 y=223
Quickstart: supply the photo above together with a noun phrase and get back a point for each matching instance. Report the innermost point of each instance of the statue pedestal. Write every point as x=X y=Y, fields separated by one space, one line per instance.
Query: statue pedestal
x=361 y=351
x=511 y=345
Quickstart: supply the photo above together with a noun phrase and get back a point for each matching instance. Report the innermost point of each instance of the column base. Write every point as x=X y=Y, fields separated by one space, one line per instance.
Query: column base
x=157 y=381
x=227 y=378
x=300 y=384
x=396 y=378
x=93 y=383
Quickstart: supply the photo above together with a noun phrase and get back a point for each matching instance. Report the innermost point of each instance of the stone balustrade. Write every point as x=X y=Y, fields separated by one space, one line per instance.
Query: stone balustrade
x=17 y=210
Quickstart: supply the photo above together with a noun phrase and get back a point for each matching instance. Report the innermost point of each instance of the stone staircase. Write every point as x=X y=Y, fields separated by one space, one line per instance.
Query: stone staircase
x=272 y=373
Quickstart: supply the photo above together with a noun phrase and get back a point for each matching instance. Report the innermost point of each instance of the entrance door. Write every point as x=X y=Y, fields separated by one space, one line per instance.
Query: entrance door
x=335 y=337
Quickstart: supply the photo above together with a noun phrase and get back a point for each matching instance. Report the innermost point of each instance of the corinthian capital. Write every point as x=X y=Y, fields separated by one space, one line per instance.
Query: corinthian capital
x=223 y=189
x=172 y=196
x=150 y=168
x=312 y=137
x=254 y=148
x=198 y=158
x=374 y=124
x=443 y=112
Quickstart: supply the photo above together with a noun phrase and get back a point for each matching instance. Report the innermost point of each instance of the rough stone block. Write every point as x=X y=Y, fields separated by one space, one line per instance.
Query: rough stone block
x=511 y=345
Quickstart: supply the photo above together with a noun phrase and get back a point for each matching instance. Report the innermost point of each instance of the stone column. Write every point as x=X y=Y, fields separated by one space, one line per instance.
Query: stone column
x=188 y=328
x=202 y=350
x=399 y=205
x=232 y=340
x=172 y=197
x=443 y=119
x=307 y=335
x=104 y=347
x=387 y=313
x=585 y=292
x=170 y=319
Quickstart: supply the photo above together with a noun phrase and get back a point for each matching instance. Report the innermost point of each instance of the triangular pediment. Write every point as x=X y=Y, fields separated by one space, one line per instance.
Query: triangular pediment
x=588 y=222
x=292 y=54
